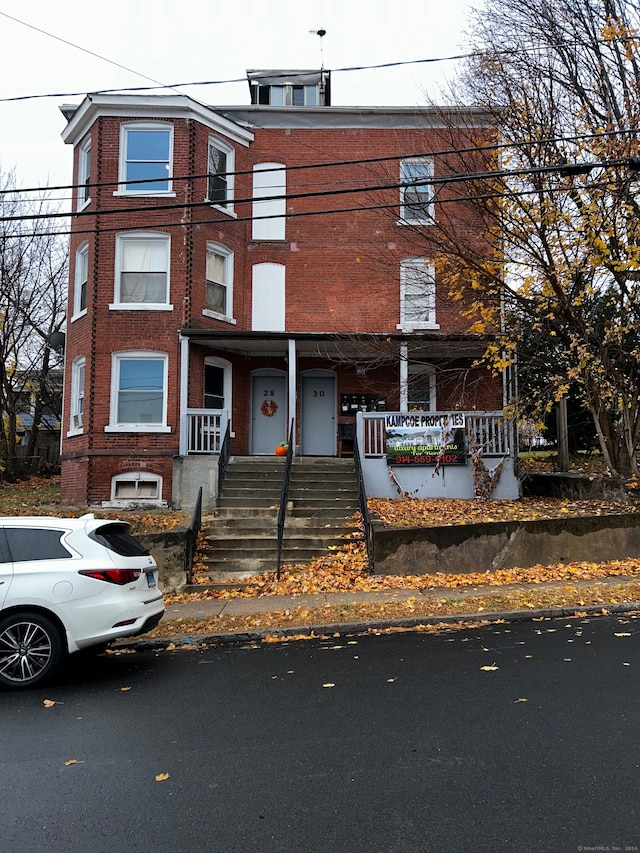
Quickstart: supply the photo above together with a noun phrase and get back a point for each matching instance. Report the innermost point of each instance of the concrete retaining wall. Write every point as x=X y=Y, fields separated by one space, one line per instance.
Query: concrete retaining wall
x=169 y=550
x=497 y=545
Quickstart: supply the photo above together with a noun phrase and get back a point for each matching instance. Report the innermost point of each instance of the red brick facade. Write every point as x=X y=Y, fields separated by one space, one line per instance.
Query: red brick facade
x=340 y=258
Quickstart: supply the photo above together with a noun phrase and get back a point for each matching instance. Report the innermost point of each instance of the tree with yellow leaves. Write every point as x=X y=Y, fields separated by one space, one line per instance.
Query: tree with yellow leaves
x=559 y=192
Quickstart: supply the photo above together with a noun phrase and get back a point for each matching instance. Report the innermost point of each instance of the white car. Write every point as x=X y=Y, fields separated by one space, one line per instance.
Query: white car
x=68 y=584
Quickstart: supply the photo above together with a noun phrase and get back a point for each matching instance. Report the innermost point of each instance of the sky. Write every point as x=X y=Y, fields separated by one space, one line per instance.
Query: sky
x=71 y=47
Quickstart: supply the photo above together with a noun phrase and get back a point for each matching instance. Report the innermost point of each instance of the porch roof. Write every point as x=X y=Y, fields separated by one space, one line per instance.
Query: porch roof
x=348 y=347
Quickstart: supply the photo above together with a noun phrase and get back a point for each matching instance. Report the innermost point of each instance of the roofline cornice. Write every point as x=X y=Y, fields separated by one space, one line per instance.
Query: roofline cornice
x=150 y=107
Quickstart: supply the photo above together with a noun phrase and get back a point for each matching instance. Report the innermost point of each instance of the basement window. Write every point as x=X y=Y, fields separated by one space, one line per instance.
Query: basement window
x=135 y=488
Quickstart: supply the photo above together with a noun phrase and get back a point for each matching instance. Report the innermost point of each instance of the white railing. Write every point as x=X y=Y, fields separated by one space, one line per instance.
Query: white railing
x=491 y=430
x=205 y=429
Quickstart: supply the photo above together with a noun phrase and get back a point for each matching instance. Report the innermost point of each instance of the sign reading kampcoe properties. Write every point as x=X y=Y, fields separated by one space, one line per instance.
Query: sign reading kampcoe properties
x=421 y=438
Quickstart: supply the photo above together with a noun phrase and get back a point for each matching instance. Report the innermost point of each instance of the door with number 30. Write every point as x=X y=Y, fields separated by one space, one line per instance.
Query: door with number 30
x=268 y=412
x=318 y=413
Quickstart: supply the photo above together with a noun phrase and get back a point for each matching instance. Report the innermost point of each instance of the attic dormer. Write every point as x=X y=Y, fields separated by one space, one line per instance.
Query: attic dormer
x=290 y=88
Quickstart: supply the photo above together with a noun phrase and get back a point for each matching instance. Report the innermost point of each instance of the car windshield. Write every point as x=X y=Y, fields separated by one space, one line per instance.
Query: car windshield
x=116 y=538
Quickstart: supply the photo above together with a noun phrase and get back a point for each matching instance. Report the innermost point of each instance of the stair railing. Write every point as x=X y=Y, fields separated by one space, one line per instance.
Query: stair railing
x=364 y=509
x=284 y=496
x=192 y=537
x=223 y=458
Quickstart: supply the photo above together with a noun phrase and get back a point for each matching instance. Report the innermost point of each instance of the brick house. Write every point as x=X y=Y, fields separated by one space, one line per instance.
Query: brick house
x=246 y=267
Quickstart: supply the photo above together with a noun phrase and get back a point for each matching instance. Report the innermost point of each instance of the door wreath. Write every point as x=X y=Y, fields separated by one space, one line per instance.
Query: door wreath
x=269 y=408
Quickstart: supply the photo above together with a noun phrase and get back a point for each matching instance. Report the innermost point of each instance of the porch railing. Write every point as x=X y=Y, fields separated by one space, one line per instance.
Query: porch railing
x=493 y=433
x=223 y=459
x=206 y=430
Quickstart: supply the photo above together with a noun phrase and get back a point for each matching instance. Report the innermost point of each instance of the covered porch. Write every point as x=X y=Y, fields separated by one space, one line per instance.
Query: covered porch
x=253 y=385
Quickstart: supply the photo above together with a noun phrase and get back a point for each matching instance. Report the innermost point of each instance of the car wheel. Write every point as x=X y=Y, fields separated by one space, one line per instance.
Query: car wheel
x=30 y=649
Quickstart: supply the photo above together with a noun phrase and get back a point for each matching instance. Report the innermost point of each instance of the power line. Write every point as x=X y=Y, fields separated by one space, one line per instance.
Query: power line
x=446 y=152
x=292 y=215
x=84 y=50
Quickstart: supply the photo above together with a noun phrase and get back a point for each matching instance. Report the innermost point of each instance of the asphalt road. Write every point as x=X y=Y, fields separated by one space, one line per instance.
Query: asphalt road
x=391 y=744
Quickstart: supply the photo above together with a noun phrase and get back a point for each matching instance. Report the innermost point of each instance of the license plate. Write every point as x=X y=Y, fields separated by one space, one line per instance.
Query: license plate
x=151 y=579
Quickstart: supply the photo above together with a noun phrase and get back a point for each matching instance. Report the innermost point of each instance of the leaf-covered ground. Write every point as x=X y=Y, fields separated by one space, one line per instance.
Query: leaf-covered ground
x=345 y=569
x=41 y=496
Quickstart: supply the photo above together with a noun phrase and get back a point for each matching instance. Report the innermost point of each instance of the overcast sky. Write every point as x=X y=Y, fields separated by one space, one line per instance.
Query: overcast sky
x=205 y=40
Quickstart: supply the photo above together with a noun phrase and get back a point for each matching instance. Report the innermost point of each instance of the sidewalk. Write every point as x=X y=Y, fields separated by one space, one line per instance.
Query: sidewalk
x=214 y=607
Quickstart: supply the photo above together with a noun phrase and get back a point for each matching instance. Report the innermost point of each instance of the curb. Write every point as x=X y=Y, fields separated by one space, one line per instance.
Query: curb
x=344 y=628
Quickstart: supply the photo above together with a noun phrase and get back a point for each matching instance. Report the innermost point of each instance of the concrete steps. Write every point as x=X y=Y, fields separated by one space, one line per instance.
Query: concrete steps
x=241 y=533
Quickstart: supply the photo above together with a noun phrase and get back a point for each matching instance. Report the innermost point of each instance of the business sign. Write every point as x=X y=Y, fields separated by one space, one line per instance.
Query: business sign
x=420 y=438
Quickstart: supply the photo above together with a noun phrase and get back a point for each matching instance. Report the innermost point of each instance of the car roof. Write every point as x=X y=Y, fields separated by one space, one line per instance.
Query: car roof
x=85 y=522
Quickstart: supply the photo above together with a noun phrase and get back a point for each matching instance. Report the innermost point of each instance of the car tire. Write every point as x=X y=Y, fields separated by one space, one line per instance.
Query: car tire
x=30 y=650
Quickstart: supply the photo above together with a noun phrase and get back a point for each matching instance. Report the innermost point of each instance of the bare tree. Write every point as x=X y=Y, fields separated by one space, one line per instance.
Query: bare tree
x=33 y=287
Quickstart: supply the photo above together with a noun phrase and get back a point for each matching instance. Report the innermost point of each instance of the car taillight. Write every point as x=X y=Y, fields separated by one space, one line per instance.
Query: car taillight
x=118 y=576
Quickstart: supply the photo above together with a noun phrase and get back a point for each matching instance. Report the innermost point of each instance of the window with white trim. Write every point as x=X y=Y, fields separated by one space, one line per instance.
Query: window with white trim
x=142 y=271
x=269 y=205
x=136 y=486
x=218 y=295
x=81 y=276
x=422 y=388
x=417 y=295
x=138 y=392
x=146 y=153
x=416 y=191
x=76 y=408
x=84 y=172
x=220 y=174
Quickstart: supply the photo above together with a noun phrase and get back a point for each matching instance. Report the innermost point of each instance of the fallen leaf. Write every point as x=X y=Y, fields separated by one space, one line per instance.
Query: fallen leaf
x=124 y=689
x=49 y=703
x=328 y=684
x=623 y=634
x=162 y=777
x=520 y=700
x=70 y=762
x=491 y=668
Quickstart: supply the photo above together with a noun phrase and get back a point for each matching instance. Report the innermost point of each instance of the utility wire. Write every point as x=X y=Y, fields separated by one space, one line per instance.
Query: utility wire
x=567 y=168
x=447 y=152
x=292 y=215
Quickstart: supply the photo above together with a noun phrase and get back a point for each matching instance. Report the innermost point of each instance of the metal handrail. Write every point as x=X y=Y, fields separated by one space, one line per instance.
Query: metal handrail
x=282 y=509
x=364 y=509
x=223 y=459
x=192 y=536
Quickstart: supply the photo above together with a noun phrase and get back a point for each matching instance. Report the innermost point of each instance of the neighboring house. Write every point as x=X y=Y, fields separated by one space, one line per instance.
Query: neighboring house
x=246 y=266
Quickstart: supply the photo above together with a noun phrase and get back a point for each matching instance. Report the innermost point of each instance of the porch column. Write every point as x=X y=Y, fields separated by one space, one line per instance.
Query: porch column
x=184 y=392
x=404 y=377
x=293 y=372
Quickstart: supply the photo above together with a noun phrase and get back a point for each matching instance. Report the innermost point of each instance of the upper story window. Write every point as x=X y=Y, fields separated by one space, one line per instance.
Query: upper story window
x=269 y=204
x=220 y=174
x=80 y=280
x=268 y=297
x=218 y=296
x=142 y=271
x=138 y=392
x=84 y=173
x=417 y=295
x=416 y=192
x=76 y=414
x=288 y=96
x=146 y=152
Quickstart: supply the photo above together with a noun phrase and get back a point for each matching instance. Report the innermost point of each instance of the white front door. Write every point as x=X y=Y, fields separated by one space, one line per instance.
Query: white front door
x=318 y=414
x=268 y=412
